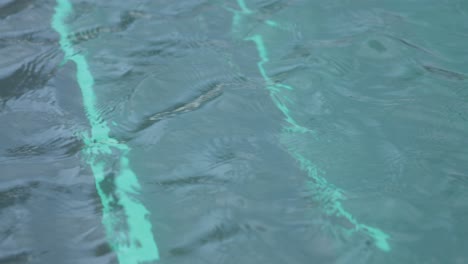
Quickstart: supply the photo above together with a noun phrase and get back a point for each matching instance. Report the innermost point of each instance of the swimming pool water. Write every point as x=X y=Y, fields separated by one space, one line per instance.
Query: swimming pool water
x=243 y=131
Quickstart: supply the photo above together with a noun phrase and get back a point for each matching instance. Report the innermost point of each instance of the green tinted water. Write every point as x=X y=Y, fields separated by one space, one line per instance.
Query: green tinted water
x=250 y=132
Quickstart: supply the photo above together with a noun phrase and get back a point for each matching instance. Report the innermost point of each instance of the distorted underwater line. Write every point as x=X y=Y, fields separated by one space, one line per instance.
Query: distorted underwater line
x=134 y=244
x=329 y=196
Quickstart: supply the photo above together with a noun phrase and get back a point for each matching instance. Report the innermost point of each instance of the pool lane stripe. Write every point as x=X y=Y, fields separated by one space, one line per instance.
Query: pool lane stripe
x=324 y=192
x=128 y=230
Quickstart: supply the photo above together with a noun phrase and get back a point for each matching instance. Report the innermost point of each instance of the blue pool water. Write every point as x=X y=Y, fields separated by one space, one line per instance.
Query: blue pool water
x=243 y=131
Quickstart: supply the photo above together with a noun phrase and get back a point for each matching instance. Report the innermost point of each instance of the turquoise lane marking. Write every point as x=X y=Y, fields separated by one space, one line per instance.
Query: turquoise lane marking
x=237 y=17
x=324 y=192
x=125 y=219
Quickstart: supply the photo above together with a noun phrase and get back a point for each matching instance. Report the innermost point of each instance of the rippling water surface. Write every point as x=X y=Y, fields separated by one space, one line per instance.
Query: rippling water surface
x=259 y=131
